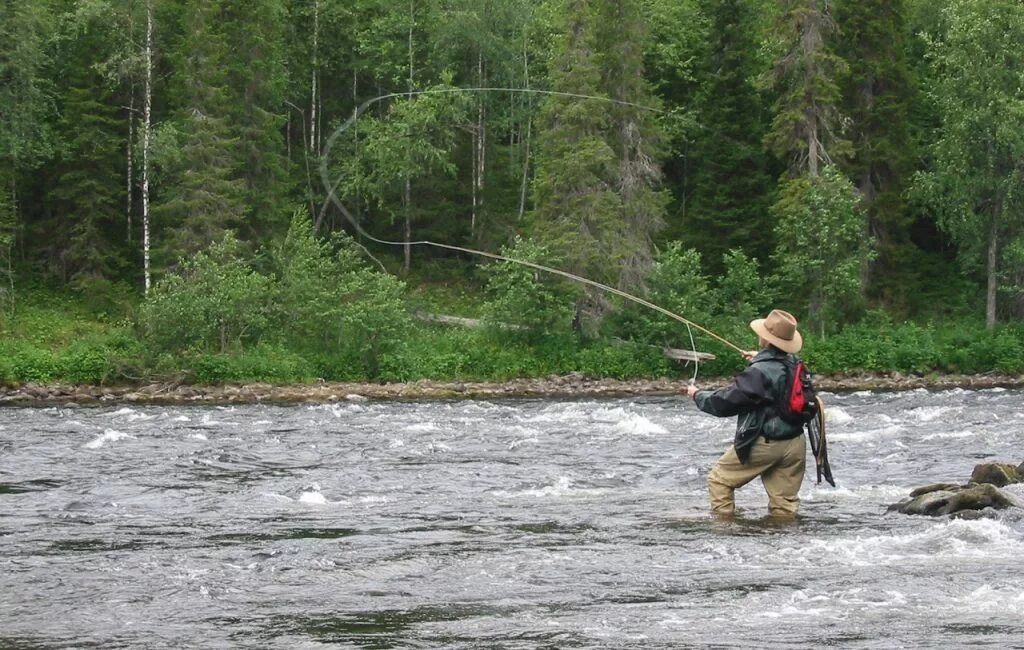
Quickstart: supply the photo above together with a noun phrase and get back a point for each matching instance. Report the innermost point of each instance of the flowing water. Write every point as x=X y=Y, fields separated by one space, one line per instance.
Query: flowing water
x=494 y=524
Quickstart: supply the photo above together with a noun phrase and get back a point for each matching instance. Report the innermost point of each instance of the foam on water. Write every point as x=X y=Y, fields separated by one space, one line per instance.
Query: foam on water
x=562 y=487
x=837 y=416
x=886 y=433
x=109 y=435
x=634 y=424
x=313 y=496
x=949 y=435
x=422 y=427
x=871 y=493
x=932 y=413
x=988 y=599
x=983 y=539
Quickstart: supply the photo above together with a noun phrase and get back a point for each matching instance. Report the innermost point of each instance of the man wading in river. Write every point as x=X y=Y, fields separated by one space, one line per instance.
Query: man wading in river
x=766 y=445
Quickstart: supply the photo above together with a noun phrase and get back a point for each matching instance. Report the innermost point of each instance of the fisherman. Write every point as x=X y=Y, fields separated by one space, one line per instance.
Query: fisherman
x=765 y=445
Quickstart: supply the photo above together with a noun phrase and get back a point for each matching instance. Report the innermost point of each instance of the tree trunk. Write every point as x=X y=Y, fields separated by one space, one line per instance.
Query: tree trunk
x=313 y=133
x=481 y=142
x=407 y=201
x=147 y=113
x=990 y=270
x=529 y=128
x=129 y=157
x=407 y=194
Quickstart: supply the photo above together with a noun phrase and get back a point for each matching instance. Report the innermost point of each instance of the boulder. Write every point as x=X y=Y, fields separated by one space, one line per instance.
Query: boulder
x=959 y=500
x=931 y=502
x=979 y=497
x=997 y=474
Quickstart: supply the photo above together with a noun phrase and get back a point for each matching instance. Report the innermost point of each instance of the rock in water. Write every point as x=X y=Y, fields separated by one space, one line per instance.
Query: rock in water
x=964 y=500
x=997 y=474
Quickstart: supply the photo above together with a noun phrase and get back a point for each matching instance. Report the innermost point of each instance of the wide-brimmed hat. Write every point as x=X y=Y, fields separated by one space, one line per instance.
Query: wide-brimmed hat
x=779 y=329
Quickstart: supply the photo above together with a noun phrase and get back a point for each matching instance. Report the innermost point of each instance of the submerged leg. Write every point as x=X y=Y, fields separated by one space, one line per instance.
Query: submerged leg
x=727 y=475
x=783 y=479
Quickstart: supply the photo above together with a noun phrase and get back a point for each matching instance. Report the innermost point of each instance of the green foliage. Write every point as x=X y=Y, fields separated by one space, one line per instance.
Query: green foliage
x=578 y=213
x=8 y=232
x=821 y=248
x=525 y=303
x=374 y=315
x=745 y=294
x=805 y=129
x=730 y=188
x=94 y=359
x=621 y=362
x=215 y=303
x=27 y=107
x=878 y=95
x=412 y=144
x=311 y=287
x=975 y=185
x=329 y=299
x=469 y=355
x=264 y=363
x=678 y=284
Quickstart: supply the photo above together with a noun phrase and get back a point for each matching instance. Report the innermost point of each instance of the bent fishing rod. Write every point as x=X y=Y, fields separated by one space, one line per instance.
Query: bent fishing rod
x=333 y=199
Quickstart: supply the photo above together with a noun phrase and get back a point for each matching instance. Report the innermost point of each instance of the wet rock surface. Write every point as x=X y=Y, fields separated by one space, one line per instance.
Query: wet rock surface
x=176 y=392
x=966 y=501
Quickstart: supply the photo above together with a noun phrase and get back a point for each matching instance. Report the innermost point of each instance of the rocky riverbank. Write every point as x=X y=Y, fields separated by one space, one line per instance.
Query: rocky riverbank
x=560 y=386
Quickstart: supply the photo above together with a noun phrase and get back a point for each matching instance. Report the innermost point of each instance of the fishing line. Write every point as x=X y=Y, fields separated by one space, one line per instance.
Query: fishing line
x=332 y=198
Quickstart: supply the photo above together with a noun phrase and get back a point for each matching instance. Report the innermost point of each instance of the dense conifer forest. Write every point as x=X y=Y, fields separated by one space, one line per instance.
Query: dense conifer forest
x=196 y=188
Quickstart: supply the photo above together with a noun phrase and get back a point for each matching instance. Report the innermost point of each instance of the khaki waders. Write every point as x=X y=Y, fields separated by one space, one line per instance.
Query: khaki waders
x=779 y=463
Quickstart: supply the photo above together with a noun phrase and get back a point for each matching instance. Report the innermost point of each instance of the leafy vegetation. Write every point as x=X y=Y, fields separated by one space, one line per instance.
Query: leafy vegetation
x=201 y=189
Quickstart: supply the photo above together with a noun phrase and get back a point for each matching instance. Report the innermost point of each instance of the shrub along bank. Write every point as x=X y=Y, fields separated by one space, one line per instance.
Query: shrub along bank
x=309 y=310
x=114 y=354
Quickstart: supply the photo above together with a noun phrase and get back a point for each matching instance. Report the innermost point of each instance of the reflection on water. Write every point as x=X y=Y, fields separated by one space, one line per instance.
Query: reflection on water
x=477 y=524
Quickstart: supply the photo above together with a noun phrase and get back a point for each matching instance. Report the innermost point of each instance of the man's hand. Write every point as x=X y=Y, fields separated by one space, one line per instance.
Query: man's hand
x=691 y=390
x=749 y=354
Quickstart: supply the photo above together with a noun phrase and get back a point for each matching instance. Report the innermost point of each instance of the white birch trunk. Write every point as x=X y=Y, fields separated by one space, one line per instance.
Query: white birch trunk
x=313 y=133
x=147 y=113
x=407 y=195
x=129 y=156
x=529 y=128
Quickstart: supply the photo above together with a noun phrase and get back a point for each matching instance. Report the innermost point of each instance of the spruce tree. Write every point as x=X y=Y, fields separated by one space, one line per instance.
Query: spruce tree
x=579 y=213
x=806 y=128
x=203 y=193
x=728 y=199
x=256 y=82
x=88 y=191
x=876 y=97
x=635 y=135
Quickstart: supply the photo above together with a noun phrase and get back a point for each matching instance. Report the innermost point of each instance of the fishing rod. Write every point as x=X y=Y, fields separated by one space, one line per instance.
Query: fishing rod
x=332 y=198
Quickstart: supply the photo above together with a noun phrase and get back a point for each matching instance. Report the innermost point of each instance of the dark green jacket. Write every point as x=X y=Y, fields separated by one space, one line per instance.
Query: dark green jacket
x=752 y=397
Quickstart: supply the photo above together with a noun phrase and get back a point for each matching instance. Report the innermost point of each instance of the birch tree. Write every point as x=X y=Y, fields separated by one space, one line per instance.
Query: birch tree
x=977 y=176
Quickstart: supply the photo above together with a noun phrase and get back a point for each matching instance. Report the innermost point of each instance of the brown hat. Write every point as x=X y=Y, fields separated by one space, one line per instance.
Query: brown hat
x=779 y=329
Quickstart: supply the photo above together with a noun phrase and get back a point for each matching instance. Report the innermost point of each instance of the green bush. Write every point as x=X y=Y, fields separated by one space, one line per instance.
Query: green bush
x=85 y=363
x=525 y=304
x=620 y=361
x=31 y=364
x=329 y=299
x=263 y=363
x=215 y=303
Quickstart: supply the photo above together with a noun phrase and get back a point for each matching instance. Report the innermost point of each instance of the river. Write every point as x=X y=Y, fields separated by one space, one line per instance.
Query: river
x=527 y=523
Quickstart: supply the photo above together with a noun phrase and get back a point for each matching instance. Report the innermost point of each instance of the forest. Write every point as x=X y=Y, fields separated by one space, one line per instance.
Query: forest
x=220 y=189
